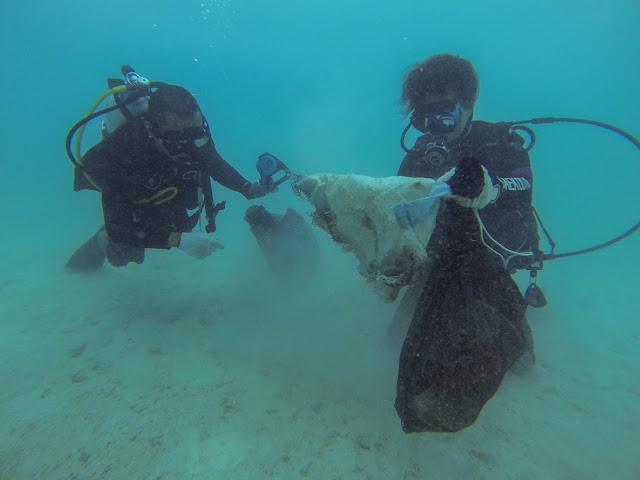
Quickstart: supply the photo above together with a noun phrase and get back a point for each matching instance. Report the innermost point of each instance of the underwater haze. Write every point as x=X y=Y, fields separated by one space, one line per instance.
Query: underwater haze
x=200 y=369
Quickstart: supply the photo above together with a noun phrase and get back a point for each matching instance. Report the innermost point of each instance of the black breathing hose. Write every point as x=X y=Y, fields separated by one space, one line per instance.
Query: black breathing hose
x=613 y=128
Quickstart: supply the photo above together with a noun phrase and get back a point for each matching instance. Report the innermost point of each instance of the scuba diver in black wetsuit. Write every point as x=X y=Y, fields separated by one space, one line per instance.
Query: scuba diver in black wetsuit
x=440 y=93
x=467 y=315
x=153 y=169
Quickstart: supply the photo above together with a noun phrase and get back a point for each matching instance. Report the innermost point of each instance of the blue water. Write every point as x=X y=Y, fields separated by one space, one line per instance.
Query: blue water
x=318 y=84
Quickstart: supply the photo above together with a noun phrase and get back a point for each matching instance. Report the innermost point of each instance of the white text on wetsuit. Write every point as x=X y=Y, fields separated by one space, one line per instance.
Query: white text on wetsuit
x=515 y=183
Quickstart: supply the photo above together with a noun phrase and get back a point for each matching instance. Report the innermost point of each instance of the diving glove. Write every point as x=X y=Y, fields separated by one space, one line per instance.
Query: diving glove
x=470 y=184
x=198 y=245
x=258 y=190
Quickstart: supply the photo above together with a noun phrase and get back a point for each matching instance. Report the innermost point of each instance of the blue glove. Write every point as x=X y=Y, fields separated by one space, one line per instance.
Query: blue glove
x=416 y=212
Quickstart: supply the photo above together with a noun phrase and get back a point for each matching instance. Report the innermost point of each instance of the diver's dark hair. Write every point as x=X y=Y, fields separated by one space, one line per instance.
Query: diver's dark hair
x=437 y=76
x=174 y=99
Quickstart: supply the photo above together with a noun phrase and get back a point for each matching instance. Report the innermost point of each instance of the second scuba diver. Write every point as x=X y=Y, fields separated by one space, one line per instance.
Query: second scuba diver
x=153 y=169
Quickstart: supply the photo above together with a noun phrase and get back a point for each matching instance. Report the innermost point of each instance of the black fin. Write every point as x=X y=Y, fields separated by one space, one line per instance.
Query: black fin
x=89 y=256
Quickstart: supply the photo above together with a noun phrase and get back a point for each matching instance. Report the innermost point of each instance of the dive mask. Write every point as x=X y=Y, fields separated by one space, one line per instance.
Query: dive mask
x=438 y=118
x=186 y=140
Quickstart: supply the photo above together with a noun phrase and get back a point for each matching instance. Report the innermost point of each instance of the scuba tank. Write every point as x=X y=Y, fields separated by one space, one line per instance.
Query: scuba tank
x=128 y=98
x=130 y=104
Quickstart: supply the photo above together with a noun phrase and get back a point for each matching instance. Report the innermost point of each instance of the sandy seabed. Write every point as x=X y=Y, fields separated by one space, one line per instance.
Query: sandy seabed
x=186 y=369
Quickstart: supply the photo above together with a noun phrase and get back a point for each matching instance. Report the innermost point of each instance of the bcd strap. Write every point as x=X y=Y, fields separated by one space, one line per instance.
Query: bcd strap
x=211 y=208
x=211 y=216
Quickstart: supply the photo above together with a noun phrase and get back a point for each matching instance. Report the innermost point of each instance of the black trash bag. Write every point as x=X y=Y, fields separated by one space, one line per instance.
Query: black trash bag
x=468 y=329
x=287 y=243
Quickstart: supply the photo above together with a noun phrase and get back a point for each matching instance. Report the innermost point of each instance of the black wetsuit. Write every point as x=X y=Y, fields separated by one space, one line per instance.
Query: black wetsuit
x=147 y=194
x=510 y=218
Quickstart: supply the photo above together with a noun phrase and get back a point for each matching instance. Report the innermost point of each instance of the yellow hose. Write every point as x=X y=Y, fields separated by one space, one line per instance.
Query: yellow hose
x=113 y=91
